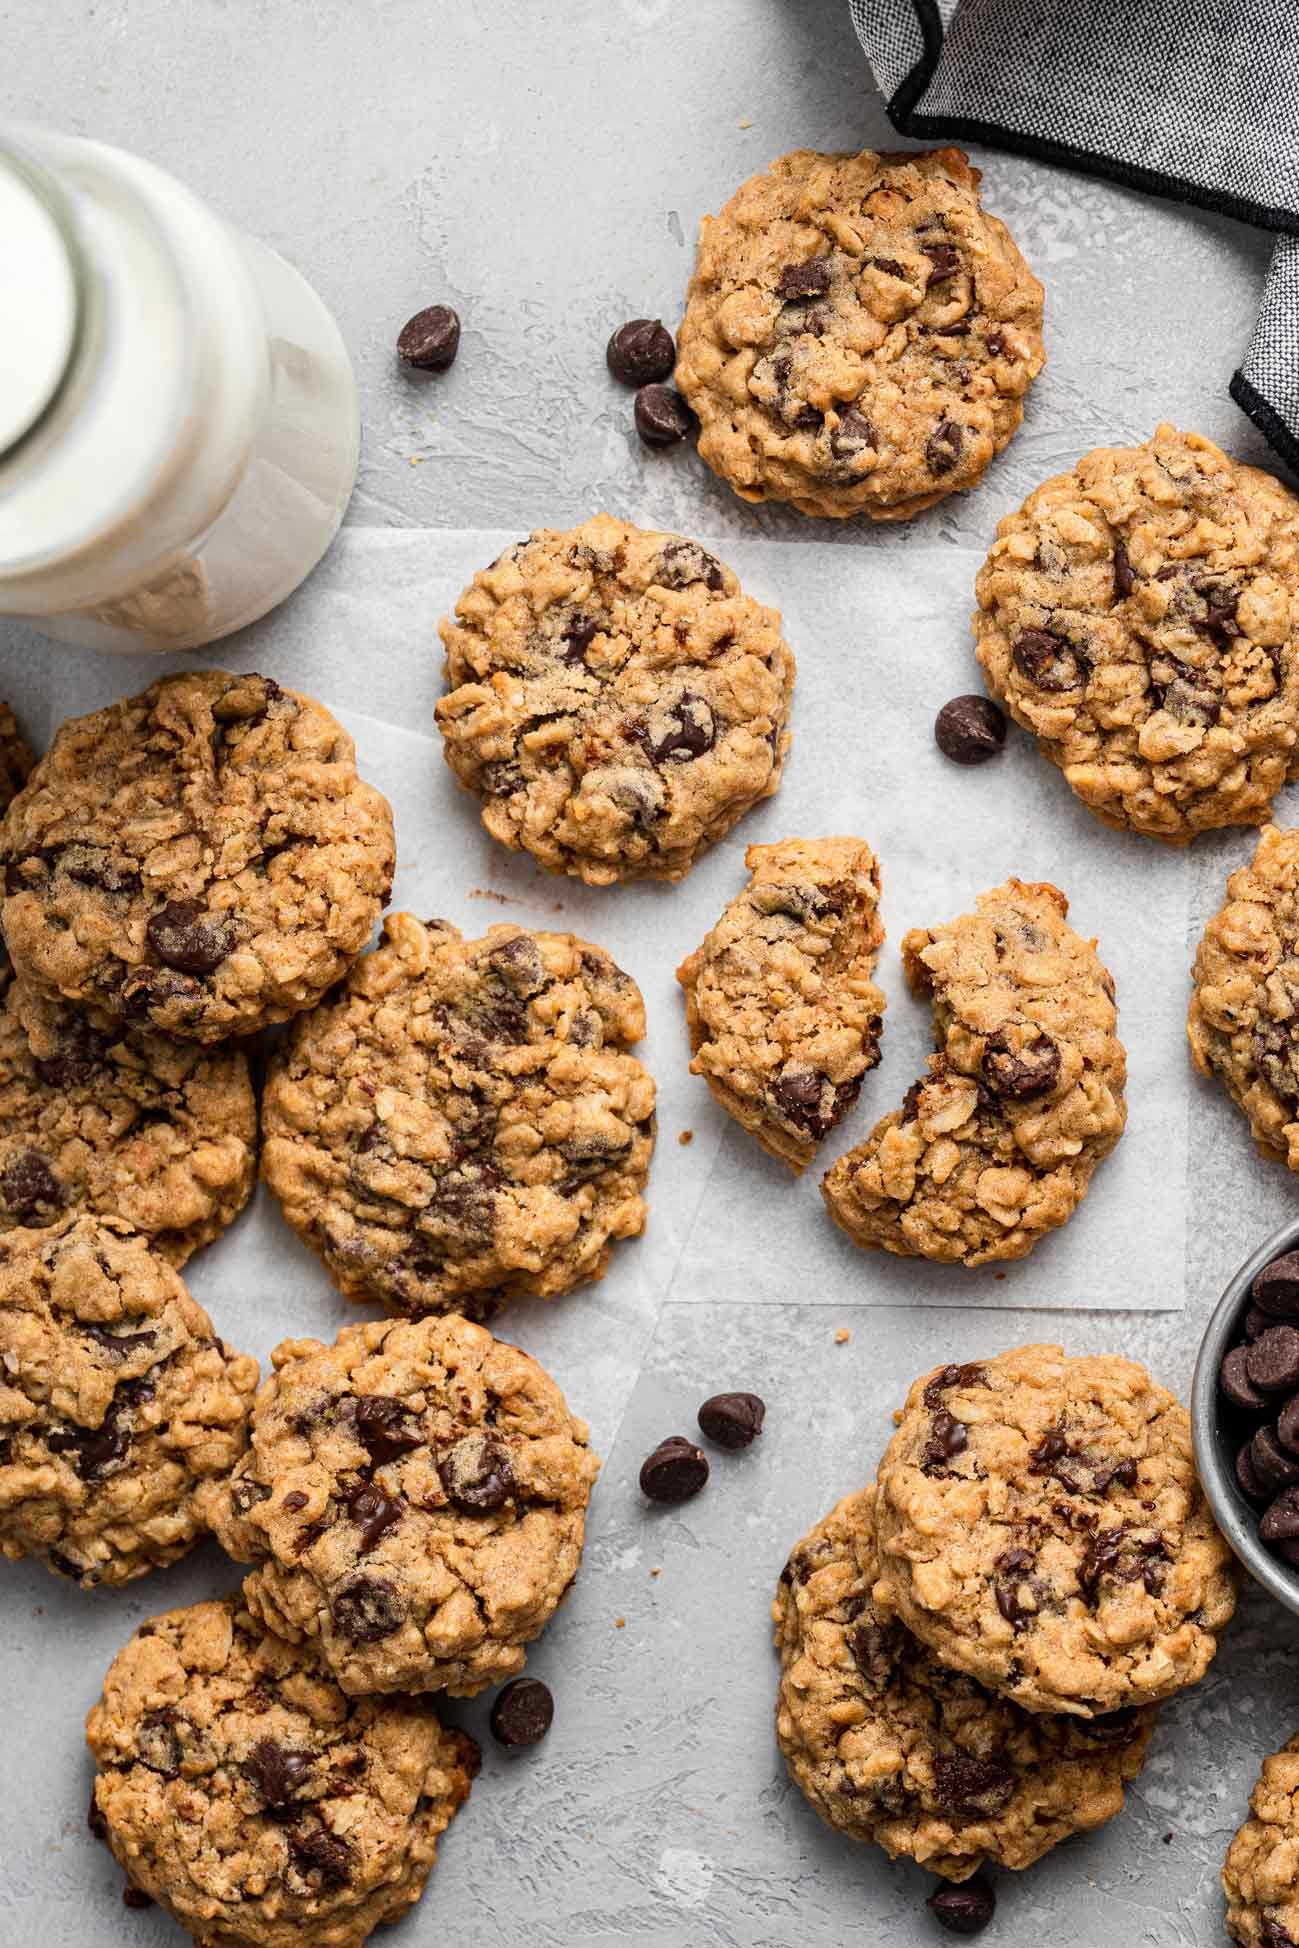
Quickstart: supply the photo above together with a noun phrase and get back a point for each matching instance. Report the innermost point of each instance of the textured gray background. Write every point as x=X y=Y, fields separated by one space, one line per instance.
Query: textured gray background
x=543 y=167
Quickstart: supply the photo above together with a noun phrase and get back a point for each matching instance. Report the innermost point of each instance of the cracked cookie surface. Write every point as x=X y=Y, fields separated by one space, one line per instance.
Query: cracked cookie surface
x=1259 y=1876
x=1243 y=1021
x=1041 y=1527
x=1139 y=616
x=120 y=1409
x=784 y=1017
x=201 y=858
x=859 y=333
x=240 y=1789
x=997 y=1144
x=887 y=1744
x=463 y=1123
x=615 y=700
x=98 y=1116
x=414 y=1500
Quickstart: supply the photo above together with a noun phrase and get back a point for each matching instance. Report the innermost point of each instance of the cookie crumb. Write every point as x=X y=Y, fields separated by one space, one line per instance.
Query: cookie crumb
x=490 y=893
x=657 y=1569
x=746 y=125
x=620 y=1623
x=685 y=1137
x=842 y=1337
x=1168 y=1839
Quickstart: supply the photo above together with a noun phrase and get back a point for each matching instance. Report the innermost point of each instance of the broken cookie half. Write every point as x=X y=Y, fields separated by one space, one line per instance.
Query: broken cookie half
x=996 y=1145
x=784 y=1016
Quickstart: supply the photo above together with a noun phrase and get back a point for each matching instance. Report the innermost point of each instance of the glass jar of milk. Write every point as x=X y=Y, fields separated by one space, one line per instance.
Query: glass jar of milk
x=178 y=416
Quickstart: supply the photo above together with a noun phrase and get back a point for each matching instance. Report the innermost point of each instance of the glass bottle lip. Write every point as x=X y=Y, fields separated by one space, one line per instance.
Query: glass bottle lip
x=56 y=207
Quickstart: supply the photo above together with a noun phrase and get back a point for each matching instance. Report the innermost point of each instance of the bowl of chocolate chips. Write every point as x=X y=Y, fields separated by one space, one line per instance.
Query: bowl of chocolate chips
x=1245 y=1414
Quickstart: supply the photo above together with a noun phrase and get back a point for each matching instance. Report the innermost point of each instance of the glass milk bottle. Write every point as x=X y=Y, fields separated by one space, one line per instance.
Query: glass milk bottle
x=178 y=416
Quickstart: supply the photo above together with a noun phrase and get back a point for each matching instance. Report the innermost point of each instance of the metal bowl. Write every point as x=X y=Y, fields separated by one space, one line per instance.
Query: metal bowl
x=1218 y=1432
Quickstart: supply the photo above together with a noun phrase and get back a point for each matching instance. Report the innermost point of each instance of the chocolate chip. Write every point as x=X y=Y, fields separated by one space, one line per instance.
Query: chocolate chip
x=30 y=1189
x=682 y=563
x=477 y=1475
x=78 y=1053
x=966 y=1784
x=294 y=1502
x=522 y=1712
x=1219 y=622
x=278 y=1770
x=366 y=1608
x=853 y=435
x=1018 y=1073
x=889 y=265
x=1256 y=1321
x=315 y=1850
x=1247 y=1475
x=965 y=1909
x=943 y=448
x=690 y=732
x=969 y=1375
x=95 y=1819
x=1274 y=1935
x=383 y=1426
x=1281 y=1521
x=948 y=1437
x=1124 y=579
x=811 y=1101
x=157 y=1743
x=944 y=260
x=1272 y=1465
x=186 y=937
x=1233 y=1378
x=732 y=1420
x=662 y=416
x=374 y=1512
x=1272 y=1361
x=136 y=1897
x=1048 y=661
x=577 y=635
x=430 y=340
x=1287 y=1426
x=641 y=352
x=809 y=280
x=94 y=1451
x=970 y=730
x=1276 y=1055
x=675 y=1471
x=1276 y=1289
x=1012 y=1567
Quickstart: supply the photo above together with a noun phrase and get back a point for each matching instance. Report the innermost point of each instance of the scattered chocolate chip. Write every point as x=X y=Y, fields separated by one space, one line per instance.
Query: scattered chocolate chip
x=732 y=1420
x=1272 y=1361
x=384 y=1426
x=278 y=1771
x=30 y=1189
x=641 y=352
x=964 y=1909
x=970 y=730
x=366 y=1608
x=430 y=340
x=675 y=1471
x=1048 y=661
x=943 y=447
x=186 y=937
x=477 y=1475
x=1280 y=1523
x=1276 y=1289
x=662 y=416
x=136 y=1897
x=1124 y=579
x=1233 y=1378
x=373 y=1512
x=809 y=280
x=316 y=1850
x=522 y=1712
x=1272 y=1465
x=1017 y=1073
x=948 y=1437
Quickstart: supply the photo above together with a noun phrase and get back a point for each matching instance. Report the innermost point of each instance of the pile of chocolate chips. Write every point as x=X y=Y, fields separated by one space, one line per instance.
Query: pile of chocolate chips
x=1259 y=1378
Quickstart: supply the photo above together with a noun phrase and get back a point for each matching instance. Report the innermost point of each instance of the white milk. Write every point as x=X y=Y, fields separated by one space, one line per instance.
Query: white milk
x=178 y=416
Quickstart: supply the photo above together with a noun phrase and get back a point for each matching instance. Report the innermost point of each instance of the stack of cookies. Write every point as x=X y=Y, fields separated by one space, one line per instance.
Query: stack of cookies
x=973 y=1645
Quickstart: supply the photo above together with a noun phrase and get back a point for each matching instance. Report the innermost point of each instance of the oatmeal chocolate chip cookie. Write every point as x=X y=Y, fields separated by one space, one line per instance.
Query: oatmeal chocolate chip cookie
x=1040 y=1526
x=462 y=1123
x=414 y=1499
x=888 y=1744
x=997 y=1144
x=1139 y=616
x=201 y=858
x=1260 y=1876
x=1243 y=1022
x=245 y=1793
x=101 y=1117
x=120 y=1409
x=784 y=1017
x=859 y=334
x=615 y=700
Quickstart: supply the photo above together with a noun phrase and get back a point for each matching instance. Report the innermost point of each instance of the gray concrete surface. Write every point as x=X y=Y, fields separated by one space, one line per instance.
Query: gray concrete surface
x=543 y=167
